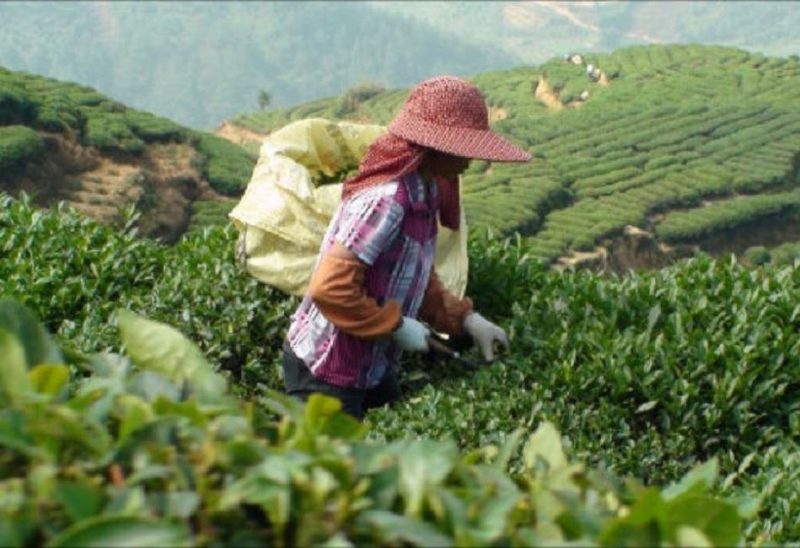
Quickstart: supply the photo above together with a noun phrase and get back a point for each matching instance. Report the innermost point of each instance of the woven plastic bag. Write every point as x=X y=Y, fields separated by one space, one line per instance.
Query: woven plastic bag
x=287 y=206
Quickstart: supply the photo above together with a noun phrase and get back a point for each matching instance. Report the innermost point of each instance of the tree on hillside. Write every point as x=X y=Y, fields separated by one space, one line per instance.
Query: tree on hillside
x=264 y=99
x=356 y=95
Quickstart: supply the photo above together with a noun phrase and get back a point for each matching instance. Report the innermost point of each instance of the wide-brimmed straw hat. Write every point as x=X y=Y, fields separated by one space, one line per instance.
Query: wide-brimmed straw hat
x=450 y=115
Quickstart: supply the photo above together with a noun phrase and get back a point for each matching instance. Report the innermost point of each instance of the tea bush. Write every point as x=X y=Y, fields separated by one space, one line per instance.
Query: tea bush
x=226 y=166
x=18 y=145
x=645 y=375
x=726 y=214
x=149 y=449
x=73 y=273
x=206 y=213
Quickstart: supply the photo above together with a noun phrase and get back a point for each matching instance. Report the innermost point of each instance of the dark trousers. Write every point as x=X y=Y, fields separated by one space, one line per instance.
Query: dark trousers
x=301 y=383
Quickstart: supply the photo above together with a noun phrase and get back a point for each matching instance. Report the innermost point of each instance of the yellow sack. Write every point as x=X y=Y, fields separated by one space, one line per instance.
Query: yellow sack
x=284 y=213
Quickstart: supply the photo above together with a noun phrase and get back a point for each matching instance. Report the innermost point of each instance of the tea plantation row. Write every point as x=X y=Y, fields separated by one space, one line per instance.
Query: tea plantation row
x=646 y=375
x=31 y=104
x=675 y=126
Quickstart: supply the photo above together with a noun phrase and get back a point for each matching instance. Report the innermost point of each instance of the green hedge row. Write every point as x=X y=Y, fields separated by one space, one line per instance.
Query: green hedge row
x=19 y=145
x=207 y=214
x=227 y=166
x=637 y=142
x=50 y=105
x=726 y=214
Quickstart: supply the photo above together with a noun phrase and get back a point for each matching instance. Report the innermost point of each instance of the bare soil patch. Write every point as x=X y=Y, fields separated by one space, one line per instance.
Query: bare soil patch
x=238 y=134
x=546 y=94
x=162 y=183
x=496 y=114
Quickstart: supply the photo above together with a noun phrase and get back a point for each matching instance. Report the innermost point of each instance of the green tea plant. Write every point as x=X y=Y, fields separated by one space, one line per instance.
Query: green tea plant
x=227 y=166
x=19 y=145
x=694 y=223
x=148 y=448
x=206 y=214
x=645 y=375
x=74 y=273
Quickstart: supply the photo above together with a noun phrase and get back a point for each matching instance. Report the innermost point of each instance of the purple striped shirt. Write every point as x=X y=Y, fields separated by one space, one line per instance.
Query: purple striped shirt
x=392 y=228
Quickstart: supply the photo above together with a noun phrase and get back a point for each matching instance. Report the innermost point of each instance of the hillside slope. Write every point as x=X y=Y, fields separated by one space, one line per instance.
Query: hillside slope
x=199 y=63
x=536 y=30
x=665 y=151
x=65 y=142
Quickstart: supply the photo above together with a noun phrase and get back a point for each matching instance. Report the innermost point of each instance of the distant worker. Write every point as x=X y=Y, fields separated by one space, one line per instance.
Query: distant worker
x=374 y=280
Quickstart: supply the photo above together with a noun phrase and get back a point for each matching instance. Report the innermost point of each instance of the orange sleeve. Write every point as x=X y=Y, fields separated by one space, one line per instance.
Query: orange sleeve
x=337 y=288
x=442 y=310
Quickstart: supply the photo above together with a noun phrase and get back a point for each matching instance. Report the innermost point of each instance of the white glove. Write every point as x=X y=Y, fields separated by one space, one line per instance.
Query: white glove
x=410 y=335
x=484 y=333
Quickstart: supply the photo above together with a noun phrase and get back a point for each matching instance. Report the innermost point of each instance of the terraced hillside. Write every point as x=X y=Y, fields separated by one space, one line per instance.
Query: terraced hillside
x=662 y=151
x=65 y=142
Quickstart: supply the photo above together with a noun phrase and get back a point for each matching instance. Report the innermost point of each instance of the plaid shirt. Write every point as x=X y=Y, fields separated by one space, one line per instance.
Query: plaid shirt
x=392 y=228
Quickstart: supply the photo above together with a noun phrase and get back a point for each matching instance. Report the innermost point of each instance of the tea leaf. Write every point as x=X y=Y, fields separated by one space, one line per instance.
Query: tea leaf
x=14 y=380
x=49 y=379
x=160 y=348
x=127 y=531
x=37 y=344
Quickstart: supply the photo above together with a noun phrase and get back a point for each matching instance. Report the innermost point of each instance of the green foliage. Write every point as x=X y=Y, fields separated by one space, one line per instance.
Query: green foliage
x=757 y=255
x=19 y=145
x=50 y=105
x=645 y=375
x=226 y=166
x=89 y=468
x=354 y=97
x=367 y=102
x=676 y=125
x=74 y=274
x=16 y=107
x=264 y=99
x=154 y=128
x=773 y=473
x=206 y=213
x=110 y=133
x=695 y=223
x=785 y=254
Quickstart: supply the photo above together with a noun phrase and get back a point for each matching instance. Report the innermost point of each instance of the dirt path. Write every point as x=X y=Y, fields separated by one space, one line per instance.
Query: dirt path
x=583 y=259
x=546 y=95
x=238 y=134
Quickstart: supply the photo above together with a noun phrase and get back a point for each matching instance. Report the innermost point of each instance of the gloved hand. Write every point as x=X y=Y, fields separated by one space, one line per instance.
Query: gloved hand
x=484 y=333
x=411 y=335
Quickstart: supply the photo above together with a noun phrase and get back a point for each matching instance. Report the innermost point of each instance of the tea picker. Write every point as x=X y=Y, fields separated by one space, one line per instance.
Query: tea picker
x=374 y=292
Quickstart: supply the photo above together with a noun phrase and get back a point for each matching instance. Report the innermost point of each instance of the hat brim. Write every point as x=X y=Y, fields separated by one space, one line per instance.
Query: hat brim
x=465 y=142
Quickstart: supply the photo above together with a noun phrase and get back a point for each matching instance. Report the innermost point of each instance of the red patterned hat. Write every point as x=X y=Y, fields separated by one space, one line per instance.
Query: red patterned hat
x=449 y=114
